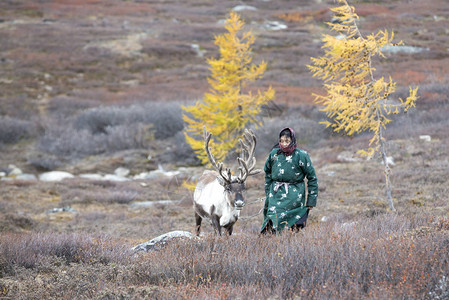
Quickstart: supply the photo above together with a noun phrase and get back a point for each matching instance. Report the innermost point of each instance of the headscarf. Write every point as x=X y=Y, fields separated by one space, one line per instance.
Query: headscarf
x=292 y=146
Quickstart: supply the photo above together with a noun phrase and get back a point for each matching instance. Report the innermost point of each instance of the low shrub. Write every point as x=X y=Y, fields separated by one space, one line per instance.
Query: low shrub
x=45 y=162
x=63 y=107
x=32 y=250
x=367 y=258
x=109 y=129
x=165 y=118
x=67 y=142
x=15 y=222
x=105 y=196
x=179 y=152
x=386 y=256
x=13 y=130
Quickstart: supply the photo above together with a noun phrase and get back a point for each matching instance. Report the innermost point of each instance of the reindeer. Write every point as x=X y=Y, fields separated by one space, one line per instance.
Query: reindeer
x=218 y=195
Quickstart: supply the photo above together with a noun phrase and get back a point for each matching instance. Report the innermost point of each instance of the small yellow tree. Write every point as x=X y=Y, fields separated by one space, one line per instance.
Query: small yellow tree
x=225 y=109
x=355 y=101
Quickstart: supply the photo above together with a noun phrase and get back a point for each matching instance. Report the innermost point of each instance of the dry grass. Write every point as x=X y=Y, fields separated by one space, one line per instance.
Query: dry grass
x=382 y=257
x=361 y=251
x=77 y=97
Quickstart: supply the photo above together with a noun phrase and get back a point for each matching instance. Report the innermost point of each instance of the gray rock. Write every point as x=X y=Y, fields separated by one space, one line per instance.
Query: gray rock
x=55 y=176
x=113 y=177
x=158 y=173
x=122 y=172
x=26 y=176
x=275 y=25
x=200 y=53
x=14 y=171
x=91 y=176
x=426 y=138
x=239 y=8
x=403 y=49
x=143 y=175
x=160 y=241
x=61 y=209
x=146 y=204
x=347 y=156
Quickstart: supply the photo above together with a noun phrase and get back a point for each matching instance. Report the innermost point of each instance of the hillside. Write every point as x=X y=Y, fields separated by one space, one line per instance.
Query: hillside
x=89 y=87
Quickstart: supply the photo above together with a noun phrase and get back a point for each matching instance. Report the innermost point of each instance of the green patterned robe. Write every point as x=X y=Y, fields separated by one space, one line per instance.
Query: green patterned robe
x=285 y=201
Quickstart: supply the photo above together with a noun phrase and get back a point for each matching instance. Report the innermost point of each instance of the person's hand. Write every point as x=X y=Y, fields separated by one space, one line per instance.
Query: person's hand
x=310 y=207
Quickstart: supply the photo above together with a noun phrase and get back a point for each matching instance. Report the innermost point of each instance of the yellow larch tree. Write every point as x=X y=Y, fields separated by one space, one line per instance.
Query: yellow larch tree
x=355 y=101
x=226 y=110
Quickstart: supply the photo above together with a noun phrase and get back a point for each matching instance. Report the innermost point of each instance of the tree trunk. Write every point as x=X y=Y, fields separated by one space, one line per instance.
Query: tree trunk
x=387 y=172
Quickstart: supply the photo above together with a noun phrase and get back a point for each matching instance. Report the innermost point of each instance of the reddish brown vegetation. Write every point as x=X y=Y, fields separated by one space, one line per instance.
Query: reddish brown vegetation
x=59 y=60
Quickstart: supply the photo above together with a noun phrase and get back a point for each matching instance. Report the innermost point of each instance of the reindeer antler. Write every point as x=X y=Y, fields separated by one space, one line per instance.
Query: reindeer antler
x=247 y=160
x=218 y=166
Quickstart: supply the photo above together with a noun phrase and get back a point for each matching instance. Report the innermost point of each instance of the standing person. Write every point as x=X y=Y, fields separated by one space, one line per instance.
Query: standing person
x=285 y=170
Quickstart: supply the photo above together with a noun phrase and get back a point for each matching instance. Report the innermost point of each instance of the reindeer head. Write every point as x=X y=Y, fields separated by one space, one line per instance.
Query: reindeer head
x=234 y=192
x=234 y=186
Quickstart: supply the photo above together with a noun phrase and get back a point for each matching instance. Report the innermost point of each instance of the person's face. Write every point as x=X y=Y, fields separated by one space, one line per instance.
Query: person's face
x=285 y=141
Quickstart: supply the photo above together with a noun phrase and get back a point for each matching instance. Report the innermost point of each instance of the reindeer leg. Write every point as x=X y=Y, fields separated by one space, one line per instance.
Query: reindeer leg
x=216 y=223
x=229 y=228
x=198 y=220
x=215 y=220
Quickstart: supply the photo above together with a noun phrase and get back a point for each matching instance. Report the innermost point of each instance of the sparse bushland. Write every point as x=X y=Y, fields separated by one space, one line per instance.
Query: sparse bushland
x=98 y=130
x=165 y=118
x=14 y=130
x=39 y=53
x=76 y=129
x=122 y=196
x=369 y=258
x=109 y=129
x=104 y=192
x=31 y=250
